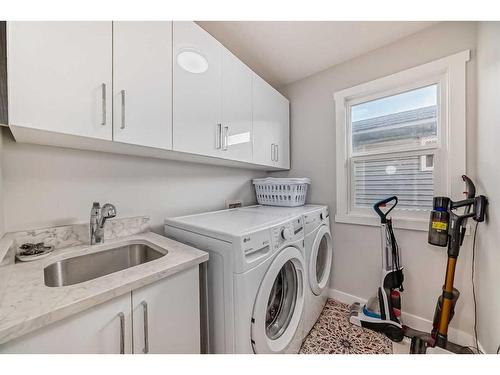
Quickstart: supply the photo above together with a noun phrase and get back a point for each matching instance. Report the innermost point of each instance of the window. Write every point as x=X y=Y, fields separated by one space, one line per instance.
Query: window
x=394 y=138
x=407 y=120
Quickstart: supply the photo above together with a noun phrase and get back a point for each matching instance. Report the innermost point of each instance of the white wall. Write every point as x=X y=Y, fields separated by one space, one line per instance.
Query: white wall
x=356 y=248
x=488 y=178
x=45 y=186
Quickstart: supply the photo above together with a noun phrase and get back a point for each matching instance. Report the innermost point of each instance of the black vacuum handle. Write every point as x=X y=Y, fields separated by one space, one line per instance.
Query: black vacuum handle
x=471 y=189
x=471 y=193
x=383 y=203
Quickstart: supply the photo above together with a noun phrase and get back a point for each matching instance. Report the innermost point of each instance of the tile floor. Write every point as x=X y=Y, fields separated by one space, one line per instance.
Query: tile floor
x=333 y=334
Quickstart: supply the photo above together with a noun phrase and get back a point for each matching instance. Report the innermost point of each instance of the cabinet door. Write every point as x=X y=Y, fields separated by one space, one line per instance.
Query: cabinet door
x=267 y=121
x=166 y=315
x=60 y=76
x=236 y=108
x=283 y=141
x=142 y=83
x=197 y=90
x=93 y=331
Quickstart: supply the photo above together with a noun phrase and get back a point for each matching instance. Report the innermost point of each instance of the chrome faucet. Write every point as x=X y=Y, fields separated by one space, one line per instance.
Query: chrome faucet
x=98 y=217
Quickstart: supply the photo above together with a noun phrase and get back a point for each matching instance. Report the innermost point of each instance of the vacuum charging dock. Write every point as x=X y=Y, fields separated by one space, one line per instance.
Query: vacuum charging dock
x=358 y=317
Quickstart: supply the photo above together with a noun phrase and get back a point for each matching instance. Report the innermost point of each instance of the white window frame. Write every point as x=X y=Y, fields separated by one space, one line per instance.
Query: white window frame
x=449 y=154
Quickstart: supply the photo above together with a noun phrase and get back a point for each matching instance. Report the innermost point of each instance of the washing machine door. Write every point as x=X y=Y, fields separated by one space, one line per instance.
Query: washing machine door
x=279 y=304
x=320 y=263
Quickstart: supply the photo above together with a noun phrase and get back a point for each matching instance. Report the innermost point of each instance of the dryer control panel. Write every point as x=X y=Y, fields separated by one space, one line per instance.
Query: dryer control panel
x=290 y=231
x=313 y=220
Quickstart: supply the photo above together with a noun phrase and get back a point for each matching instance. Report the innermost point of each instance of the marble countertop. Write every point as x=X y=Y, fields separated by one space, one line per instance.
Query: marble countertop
x=26 y=304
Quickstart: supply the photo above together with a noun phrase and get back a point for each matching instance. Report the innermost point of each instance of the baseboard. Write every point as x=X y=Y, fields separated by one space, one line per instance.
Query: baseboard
x=416 y=322
x=481 y=348
x=344 y=297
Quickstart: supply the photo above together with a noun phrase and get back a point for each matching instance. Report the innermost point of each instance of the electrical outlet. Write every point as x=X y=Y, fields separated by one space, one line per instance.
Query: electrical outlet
x=234 y=203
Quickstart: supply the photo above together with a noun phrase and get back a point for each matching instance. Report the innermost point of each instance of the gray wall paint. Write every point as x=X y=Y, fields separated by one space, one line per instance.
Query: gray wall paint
x=488 y=178
x=357 y=253
x=45 y=186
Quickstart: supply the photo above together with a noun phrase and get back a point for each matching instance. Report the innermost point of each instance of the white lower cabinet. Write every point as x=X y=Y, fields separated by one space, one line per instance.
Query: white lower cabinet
x=96 y=330
x=166 y=315
x=163 y=317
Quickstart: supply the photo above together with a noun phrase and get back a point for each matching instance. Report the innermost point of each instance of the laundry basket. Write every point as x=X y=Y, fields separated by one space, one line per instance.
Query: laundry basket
x=285 y=192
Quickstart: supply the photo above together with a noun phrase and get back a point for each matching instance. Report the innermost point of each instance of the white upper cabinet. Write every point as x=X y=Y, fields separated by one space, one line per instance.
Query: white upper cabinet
x=60 y=75
x=270 y=125
x=197 y=85
x=163 y=86
x=237 y=128
x=142 y=83
x=283 y=151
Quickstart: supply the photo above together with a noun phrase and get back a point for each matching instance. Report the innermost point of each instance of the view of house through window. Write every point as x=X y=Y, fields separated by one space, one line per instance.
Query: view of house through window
x=392 y=142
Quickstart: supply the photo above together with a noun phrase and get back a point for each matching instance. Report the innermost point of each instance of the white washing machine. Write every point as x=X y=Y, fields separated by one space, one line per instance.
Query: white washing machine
x=256 y=278
x=318 y=254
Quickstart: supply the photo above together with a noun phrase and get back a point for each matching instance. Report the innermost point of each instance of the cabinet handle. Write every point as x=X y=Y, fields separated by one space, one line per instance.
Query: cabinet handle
x=122 y=126
x=122 y=332
x=224 y=138
x=277 y=148
x=146 y=328
x=103 y=103
x=218 y=137
x=272 y=151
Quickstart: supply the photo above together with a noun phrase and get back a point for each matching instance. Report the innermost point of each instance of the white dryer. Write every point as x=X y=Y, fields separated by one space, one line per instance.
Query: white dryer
x=319 y=256
x=256 y=278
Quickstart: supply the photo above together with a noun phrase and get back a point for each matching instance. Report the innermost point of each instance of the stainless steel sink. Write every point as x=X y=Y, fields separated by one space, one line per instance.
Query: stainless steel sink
x=82 y=268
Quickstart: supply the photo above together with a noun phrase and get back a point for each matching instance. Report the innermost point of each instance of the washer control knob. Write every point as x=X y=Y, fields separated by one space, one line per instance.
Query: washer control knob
x=286 y=234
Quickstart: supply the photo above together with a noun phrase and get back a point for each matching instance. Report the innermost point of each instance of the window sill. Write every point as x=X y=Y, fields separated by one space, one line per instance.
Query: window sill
x=399 y=223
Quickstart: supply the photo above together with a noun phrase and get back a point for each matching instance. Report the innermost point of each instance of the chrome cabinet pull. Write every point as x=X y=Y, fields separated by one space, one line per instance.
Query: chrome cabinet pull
x=103 y=103
x=146 y=328
x=218 y=137
x=272 y=151
x=122 y=126
x=277 y=148
x=122 y=332
x=224 y=138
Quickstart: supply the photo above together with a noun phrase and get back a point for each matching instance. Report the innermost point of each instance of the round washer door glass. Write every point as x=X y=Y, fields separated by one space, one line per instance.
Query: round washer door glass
x=321 y=261
x=279 y=304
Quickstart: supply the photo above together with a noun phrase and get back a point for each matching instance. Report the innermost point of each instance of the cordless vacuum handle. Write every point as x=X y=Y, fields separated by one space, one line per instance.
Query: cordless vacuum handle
x=383 y=203
x=471 y=193
x=471 y=189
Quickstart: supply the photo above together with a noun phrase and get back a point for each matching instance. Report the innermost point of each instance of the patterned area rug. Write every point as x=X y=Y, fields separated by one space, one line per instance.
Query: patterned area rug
x=333 y=334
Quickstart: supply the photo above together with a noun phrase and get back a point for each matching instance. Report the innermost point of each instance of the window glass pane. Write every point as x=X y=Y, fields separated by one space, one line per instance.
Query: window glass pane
x=374 y=180
x=405 y=119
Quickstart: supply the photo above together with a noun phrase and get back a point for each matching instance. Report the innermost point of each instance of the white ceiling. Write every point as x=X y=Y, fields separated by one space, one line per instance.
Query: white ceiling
x=286 y=51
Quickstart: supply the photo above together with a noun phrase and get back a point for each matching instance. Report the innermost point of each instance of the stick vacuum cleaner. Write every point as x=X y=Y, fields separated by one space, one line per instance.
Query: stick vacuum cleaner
x=447 y=227
x=382 y=312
